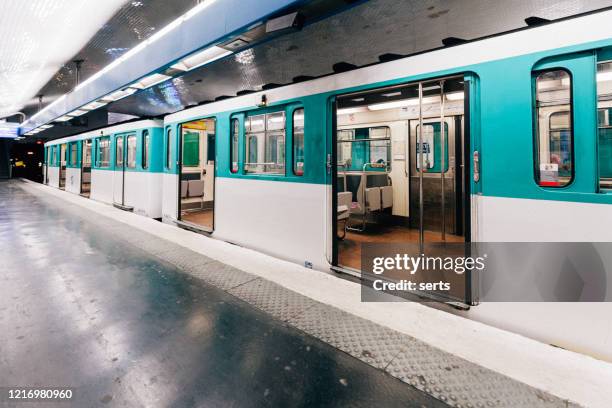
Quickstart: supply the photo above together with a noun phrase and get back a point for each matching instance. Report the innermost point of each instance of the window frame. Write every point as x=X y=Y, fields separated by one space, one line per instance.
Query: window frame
x=536 y=126
x=126 y=152
x=266 y=134
x=234 y=144
x=99 y=156
x=73 y=154
x=145 y=145
x=168 y=152
x=293 y=144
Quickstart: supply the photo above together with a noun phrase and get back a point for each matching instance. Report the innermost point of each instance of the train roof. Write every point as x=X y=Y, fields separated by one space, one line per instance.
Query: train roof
x=107 y=130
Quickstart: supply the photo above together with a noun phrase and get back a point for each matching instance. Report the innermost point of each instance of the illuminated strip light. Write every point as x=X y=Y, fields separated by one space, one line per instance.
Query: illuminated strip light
x=604 y=76
x=64 y=118
x=161 y=33
x=94 y=105
x=198 y=59
x=117 y=95
x=150 y=81
x=78 y=112
x=43 y=127
x=348 y=111
x=135 y=50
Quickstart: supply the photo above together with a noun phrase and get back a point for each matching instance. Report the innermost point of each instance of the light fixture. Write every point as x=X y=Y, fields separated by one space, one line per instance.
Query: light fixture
x=64 y=118
x=94 y=105
x=604 y=76
x=115 y=96
x=201 y=58
x=395 y=104
x=150 y=81
x=390 y=94
x=78 y=112
x=348 y=111
x=455 y=96
x=45 y=127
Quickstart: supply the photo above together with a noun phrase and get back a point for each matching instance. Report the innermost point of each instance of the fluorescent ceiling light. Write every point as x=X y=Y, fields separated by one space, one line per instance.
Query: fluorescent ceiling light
x=78 y=112
x=64 y=118
x=604 y=76
x=150 y=81
x=390 y=94
x=455 y=96
x=94 y=105
x=395 y=104
x=201 y=58
x=46 y=126
x=120 y=94
x=348 y=111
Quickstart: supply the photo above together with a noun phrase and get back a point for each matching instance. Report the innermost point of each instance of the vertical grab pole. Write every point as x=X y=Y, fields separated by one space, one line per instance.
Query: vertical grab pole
x=442 y=159
x=421 y=165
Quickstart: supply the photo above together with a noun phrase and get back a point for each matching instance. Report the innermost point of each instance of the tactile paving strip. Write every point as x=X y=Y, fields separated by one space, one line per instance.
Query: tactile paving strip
x=461 y=383
x=274 y=299
x=369 y=342
x=456 y=381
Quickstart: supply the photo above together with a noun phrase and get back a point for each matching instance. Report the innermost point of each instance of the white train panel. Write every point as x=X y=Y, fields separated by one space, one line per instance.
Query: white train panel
x=73 y=180
x=282 y=219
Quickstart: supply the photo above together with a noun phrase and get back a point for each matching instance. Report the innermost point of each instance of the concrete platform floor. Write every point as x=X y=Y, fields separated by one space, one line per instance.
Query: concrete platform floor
x=81 y=308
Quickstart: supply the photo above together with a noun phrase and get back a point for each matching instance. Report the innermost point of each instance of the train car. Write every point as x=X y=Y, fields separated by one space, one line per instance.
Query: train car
x=119 y=165
x=511 y=132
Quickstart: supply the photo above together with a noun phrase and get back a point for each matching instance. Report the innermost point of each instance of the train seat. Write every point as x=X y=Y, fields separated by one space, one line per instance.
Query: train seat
x=386 y=197
x=195 y=188
x=184 y=186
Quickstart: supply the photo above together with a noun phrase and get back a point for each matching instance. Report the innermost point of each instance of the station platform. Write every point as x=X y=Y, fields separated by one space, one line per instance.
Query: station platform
x=126 y=309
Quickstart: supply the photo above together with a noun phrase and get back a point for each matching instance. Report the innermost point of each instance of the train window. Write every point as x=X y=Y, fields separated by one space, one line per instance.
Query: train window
x=104 y=151
x=131 y=151
x=269 y=131
x=73 y=153
x=554 y=164
x=145 y=149
x=86 y=147
x=54 y=155
x=604 y=123
x=235 y=130
x=119 y=151
x=168 y=148
x=364 y=149
x=191 y=148
x=432 y=148
x=298 y=142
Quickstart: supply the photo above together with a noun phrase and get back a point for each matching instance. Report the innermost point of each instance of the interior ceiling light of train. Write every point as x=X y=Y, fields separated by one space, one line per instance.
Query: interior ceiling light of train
x=39 y=36
x=366 y=33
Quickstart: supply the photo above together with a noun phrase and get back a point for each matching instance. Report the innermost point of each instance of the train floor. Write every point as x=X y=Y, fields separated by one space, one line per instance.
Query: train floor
x=80 y=309
x=349 y=248
x=203 y=218
x=130 y=311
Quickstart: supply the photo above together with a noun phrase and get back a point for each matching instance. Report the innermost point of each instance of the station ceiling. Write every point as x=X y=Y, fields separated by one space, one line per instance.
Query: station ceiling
x=359 y=35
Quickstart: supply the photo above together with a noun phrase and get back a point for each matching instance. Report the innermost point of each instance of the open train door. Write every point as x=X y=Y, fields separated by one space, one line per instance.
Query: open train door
x=401 y=180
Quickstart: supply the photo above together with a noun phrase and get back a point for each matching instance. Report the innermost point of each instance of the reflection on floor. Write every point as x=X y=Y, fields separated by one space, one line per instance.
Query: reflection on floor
x=349 y=249
x=203 y=218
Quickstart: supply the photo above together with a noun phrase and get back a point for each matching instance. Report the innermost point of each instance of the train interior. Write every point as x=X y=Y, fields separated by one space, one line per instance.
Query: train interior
x=62 y=170
x=197 y=173
x=378 y=162
x=86 y=168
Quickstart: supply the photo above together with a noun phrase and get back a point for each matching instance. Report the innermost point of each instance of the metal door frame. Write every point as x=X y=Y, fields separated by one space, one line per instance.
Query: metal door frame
x=123 y=138
x=465 y=195
x=179 y=164
x=83 y=142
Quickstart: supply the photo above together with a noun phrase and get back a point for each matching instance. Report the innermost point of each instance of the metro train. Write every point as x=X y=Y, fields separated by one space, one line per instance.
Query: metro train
x=508 y=138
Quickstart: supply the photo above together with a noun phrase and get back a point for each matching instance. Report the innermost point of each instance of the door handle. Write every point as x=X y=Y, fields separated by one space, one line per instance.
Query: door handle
x=476 y=162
